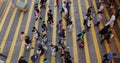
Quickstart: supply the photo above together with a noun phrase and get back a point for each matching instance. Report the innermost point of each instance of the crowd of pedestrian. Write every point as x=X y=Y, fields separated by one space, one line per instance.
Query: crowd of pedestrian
x=42 y=49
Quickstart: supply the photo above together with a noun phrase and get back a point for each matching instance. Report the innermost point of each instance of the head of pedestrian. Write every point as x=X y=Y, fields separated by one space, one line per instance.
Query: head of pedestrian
x=22 y=33
x=50 y=10
x=43 y=22
x=64 y=2
x=60 y=21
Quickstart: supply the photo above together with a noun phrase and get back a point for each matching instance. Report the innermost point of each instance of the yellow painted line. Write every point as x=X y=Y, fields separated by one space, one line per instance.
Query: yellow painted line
x=101 y=26
x=64 y=24
x=54 y=31
x=15 y=38
x=47 y=9
x=26 y=29
x=95 y=39
x=8 y=30
x=4 y=17
x=74 y=35
x=87 y=56
x=8 y=3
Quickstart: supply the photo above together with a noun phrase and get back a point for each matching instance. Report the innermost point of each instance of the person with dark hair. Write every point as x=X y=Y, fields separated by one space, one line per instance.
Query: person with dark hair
x=107 y=36
x=89 y=11
x=88 y=24
x=44 y=27
x=36 y=6
x=62 y=33
x=109 y=57
x=50 y=17
x=104 y=30
x=22 y=60
x=81 y=38
x=57 y=3
x=45 y=60
x=37 y=14
x=36 y=34
x=59 y=26
x=45 y=39
x=98 y=18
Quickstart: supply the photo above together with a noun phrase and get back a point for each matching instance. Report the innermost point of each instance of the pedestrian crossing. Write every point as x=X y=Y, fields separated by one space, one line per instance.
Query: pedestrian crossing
x=14 y=47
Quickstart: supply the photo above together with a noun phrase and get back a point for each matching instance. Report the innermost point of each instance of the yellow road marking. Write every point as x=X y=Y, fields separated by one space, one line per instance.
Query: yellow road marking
x=4 y=17
x=101 y=26
x=26 y=29
x=8 y=3
x=74 y=35
x=54 y=31
x=87 y=56
x=64 y=24
x=95 y=39
x=8 y=30
x=15 y=37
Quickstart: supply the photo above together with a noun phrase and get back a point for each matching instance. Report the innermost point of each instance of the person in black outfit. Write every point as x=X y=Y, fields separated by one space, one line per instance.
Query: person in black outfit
x=107 y=36
x=104 y=30
x=50 y=17
x=22 y=60
x=44 y=27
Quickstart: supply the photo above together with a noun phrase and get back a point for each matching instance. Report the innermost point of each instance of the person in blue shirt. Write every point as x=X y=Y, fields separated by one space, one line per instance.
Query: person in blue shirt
x=108 y=57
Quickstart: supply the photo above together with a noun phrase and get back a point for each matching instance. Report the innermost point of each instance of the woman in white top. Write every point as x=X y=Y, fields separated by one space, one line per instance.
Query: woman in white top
x=111 y=21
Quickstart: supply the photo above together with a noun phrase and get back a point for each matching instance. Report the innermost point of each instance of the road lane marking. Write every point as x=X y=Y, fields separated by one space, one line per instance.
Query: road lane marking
x=107 y=47
x=8 y=3
x=95 y=39
x=4 y=17
x=75 y=50
x=26 y=29
x=8 y=30
x=15 y=37
x=87 y=56
x=54 y=31
x=64 y=24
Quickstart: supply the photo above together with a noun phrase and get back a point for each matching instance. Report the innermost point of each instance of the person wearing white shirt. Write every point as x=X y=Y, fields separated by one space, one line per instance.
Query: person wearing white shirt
x=99 y=18
x=111 y=21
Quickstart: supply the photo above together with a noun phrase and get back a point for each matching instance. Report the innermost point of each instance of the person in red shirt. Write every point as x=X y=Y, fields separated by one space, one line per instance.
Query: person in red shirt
x=57 y=3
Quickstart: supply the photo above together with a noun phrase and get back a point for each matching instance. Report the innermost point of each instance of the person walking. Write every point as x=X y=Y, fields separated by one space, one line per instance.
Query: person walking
x=111 y=21
x=107 y=36
x=44 y=27
x=50 y=17
x=57 y=3
x=104 y=30
x=59 y=26
x=99 y=18
x=108 y=57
